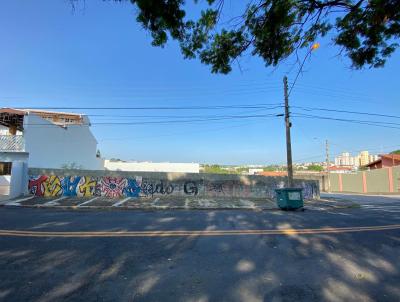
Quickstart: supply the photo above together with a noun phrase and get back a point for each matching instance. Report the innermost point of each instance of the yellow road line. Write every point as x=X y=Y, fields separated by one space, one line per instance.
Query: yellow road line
x=172 y=233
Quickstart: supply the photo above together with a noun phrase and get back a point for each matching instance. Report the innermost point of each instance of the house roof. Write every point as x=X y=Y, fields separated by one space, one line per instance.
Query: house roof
x=13 y=111
x=11 y=116
x=272 y=173
x=388 y=156
x=21 y=111
x=52 y=112
x=340 y=168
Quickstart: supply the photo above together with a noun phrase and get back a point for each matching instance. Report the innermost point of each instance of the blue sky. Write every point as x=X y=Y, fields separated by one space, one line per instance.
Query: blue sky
x=98 y=56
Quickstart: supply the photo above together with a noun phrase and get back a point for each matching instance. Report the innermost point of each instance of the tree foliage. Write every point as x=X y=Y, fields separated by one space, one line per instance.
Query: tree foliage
x=217 y=169
x=365 y=31
x=395 y=152
x=315 y=168
x=273 y=168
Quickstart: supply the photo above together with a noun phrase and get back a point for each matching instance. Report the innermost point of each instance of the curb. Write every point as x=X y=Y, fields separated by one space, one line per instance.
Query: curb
x=125 y=208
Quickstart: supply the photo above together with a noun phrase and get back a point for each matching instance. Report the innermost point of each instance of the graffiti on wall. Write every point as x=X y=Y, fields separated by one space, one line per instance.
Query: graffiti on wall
x=191 y=188
x=150 y=188
x=84 y=186
x=87 y=186
x=116 y=187
x=112 y=187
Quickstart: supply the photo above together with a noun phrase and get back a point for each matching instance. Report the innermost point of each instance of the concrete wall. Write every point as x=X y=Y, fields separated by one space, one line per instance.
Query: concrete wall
x=352 y=183
x=5 y=181
x=396 y=178
x=377 y=181
x=6 y=131
x=334 y=182
x=320 y=177
x=385 y=180
x=15 y=184
x=147 y=184
x=51 y=146
x=19 y=178
x=152 y=167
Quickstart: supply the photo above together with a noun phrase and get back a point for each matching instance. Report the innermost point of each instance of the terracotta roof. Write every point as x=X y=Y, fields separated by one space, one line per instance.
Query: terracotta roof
x=27 y=111
x=394 y=156
x=340 y=168
x=52 y=112
x=57 y=118
x=273 y=173
x=388 y=156
x=12 y=111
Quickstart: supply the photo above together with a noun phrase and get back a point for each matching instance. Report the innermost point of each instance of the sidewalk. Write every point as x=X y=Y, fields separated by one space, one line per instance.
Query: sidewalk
x=3 y=199
x=171 y=202
x=329 y=203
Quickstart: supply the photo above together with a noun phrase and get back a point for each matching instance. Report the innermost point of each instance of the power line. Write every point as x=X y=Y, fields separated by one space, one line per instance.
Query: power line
x=370 y=123
x=346 y=111
x=184 y=121
x=174 y=116
x=340 y=97
x=350 y=151
x=169 y=121
x=182 y=86
x=299 y=71
x=255 y=106
x=334 y=90
x=352 y=120
x=178 y=133
x=151 y=93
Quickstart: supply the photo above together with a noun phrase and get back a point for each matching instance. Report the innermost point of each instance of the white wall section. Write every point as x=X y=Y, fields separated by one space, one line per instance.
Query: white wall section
x=52 y=146
x=152 y=167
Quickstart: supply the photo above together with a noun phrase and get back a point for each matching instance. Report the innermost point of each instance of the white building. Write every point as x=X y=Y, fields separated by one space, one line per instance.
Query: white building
x=49 y=139
x=254 y=171
x=151 y=167
x=363 y=158
x=344 y=160
x=373 y=158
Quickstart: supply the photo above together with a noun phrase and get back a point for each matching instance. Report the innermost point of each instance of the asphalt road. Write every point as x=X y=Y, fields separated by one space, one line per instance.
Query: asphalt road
x=67 y=255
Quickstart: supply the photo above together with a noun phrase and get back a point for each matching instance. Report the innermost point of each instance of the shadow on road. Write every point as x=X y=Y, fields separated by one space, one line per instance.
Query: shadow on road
x=320 y=267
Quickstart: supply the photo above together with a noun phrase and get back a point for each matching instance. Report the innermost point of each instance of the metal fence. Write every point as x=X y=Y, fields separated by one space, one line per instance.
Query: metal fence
x=12 y=143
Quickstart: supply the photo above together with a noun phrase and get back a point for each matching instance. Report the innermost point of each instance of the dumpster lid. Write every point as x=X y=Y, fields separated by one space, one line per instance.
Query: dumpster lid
x=289 y=189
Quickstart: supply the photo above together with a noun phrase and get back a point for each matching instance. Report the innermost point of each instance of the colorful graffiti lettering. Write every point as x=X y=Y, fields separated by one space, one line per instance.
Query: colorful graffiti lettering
x=132 y=189
x=116 y=187
x=52 y=186
x=87 y=186
x=35 y=185
x=112 y=187
x=69 y=185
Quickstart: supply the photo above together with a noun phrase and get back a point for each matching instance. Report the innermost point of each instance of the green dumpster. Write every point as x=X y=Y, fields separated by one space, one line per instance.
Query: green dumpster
x=289 y=198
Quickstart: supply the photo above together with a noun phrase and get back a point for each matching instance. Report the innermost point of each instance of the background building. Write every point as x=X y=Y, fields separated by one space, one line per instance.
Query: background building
x=384 y=161
x=114 y=165
x=253 y=171
x=364 y=158
x=347 y=160
x=49 y=139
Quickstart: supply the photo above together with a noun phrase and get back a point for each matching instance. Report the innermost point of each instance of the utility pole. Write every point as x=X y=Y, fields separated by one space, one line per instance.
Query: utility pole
x=288 y=140
x=327 y=165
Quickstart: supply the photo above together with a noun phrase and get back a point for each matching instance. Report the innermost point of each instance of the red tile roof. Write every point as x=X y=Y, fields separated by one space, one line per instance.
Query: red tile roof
x=273 y=173
x=388 y=156
x=340 y=168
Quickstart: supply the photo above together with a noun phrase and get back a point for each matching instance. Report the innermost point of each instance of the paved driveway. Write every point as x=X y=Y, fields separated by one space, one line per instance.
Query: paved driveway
x=171 y=202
